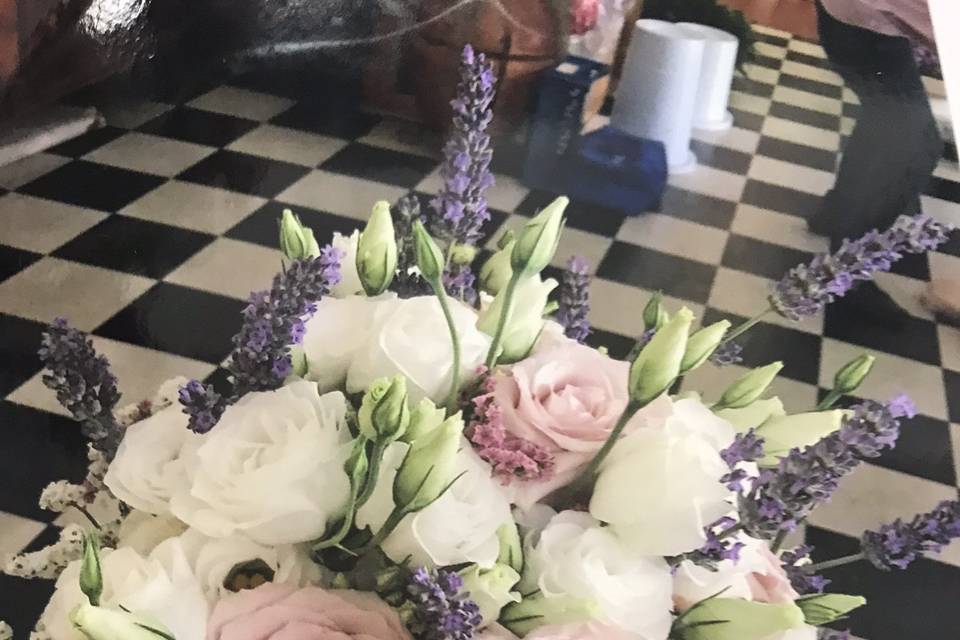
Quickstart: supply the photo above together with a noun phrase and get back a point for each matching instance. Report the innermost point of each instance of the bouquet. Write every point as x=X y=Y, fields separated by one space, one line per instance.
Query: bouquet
x=399 y=455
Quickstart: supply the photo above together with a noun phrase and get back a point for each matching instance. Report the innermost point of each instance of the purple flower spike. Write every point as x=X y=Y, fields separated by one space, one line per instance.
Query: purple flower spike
x=203 y=404
x=575 y=299
x=275 y=319
x=832 y=634
x=794 y=563
x=716 y=549
x=807 y=288
x=441 y=610
x=458 y=281
x=83 y=382
x=726 y=354
x=897 y=544
x=460 y=206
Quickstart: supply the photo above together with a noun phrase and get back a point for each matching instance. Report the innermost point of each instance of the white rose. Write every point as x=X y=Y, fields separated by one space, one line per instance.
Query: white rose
x=349 y=278
x=272 y=468
x=526 y=316
x=149 y=468
x=461 y=526
x=574 y=557
x=661 y=486
x=142 y=531
x=411 y=337
x=161 y=586
x=339 y=328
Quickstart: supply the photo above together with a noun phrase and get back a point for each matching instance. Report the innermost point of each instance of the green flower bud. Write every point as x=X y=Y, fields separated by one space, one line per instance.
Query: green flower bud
x=463 y=254
x=701 y=344
x=377 y=251
x=91 y=576
x=537 y=610
x=496 y=271
x=296 y=239
x=389 y=579
x=525 y=322
x=754 y=414
x=490 y=588
x=538 y=240
x=658 y=364
x=824 y=608
x=801 y=430
x=97 y=623
x=384 y=414
x=429 y=257
x=749 y=387
x=852 y=374
x=358 y=463
x=511 y=547
x=425 y=417
x=735 y=619
x=654 y=315
x=340 y=581
x=428 y=468
x=506 y=238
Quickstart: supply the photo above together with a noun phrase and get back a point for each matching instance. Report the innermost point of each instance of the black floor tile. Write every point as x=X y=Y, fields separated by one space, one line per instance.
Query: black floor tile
x=746 y=119
x=199 y=126
x=92 y=185
x=695 y=207
x=721 y=157
x=797 y=153
x=617 y=346
x=13 y=261
x=329 y=118
x=753 y=87
x=776 y=41
x=813 y=61
x=187 y=322
x=913 y=265
x=134 y=246
x=19 y=341
x=761 y=258
x=805 y=116
x=951 y=382
x=851 y=110
x=27 y=599
x=87 y=142
x=656 y=271
x=261 y=225
x=241 y=172
x=766 y=61
x=944 y=189
x=811 y=86
x=923 y=450
x=580 y=215
x=381 y=165
x=782 y=199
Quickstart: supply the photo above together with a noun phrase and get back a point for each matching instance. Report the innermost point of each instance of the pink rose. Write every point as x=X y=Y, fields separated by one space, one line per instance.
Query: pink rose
x=579 y=631
x=282 y=612
x=566 y=399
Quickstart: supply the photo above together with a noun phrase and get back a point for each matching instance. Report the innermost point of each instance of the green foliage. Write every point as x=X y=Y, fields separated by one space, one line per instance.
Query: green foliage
x=710 y=13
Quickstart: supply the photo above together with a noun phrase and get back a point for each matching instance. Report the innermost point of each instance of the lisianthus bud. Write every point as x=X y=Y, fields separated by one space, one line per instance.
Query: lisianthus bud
x=358 y=464
x=749 y=387
x=490 y=588
x=736 y=619
x=463 y=254
x=658 y=364
x=851 y=375
x=511 y=547
x=701 y=344
x=824 y=608
x=425 y=418
x=754 y=414
x=538 y=240
x=377 y=251
x=525 y=321
x=98 y=623
x=296 y=239
x=799 y=430
x=537 y=610
x=428 y=468
x=91 y=576
x=496 y=271
x=429 y=257
x=384 y=413
x=654 y=315
x=508 y=237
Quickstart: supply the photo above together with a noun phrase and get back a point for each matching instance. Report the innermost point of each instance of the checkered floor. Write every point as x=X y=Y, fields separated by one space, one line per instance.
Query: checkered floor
x=149 y=234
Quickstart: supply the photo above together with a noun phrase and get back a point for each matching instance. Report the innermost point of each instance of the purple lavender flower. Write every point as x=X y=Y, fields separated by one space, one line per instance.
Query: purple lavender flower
x=795 y=563
x=807 y=288
x=276 y=319
x=897 y=544
x=203 y=404
x=746 y=447
x=832 y=634
x=728 y=353
x=575 y=299
x=780 y=498
x=717 y=548
x=83 y=382
x=459 y=282
x=442 y=611
x=460 y=206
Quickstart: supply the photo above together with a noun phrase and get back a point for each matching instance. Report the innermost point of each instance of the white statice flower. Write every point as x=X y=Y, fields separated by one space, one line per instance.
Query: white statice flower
x=142 y=531
x=459 y=527
x=411 y=337
x=6 y=631
x=49 y=562
x=349 y=278
x=169 y=392
x=272 y=468
x=161 y=586
x=574 y=557
x=97 y=465
x=149 y=465
x=60 y=495
x=660 y=486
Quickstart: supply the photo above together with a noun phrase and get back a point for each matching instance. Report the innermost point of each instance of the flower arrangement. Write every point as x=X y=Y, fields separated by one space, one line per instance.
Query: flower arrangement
x=407 y=451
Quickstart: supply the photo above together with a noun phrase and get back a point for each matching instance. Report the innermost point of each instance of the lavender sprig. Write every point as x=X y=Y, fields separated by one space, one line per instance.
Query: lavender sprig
x=832 y=634
x=807 y=288
x=718 y=547
x=746 y=447
x=780 y=498
x=794 y=564
x=897 y=544
x=441 y=610
x=728 y=353
x=459 y=282
x=575 y=299
x=203 y=404
x=83 y=382
x=460 y=205
x=275 y=319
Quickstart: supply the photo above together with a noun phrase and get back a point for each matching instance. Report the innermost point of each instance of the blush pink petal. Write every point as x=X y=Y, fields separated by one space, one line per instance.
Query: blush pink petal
x=772 y=585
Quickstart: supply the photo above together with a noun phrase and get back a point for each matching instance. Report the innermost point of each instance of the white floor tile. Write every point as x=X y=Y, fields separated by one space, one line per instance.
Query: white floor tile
x=241 y=103
x=850 y=96
x=344 y=195
x=746 y=295
x=405 y=136
x=847 y=125
x=770 y=31
x=749 y=102
x=942 y=210
x=949 y=338
x=733 y=138
x=906 y=292
x=194 y=206
x=229 y=267
x=18 y=173
x=711 y=182
x=948 y=170
x=801 y=133
x=770 y=50
x=810 y=72
x=807 y=100
x=790 y=175
x=288 y=145
x=130 y=114
x=807 y=48
x=17 y=532
x=778 y=228
x=675 y=236
x=619 y=308
x=42 y=225
x=149 y=154
x=759 y=73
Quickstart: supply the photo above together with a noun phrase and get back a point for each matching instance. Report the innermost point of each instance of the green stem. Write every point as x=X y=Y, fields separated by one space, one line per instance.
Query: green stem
x=508 y=294
x=455 y=342
x=778 y=541
x=373 y=475
x=389 y=525
x=745 y=326
x=607 y=447
x=89 y=516
x=726 y=533
x=836 y=562
x=829 y=400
